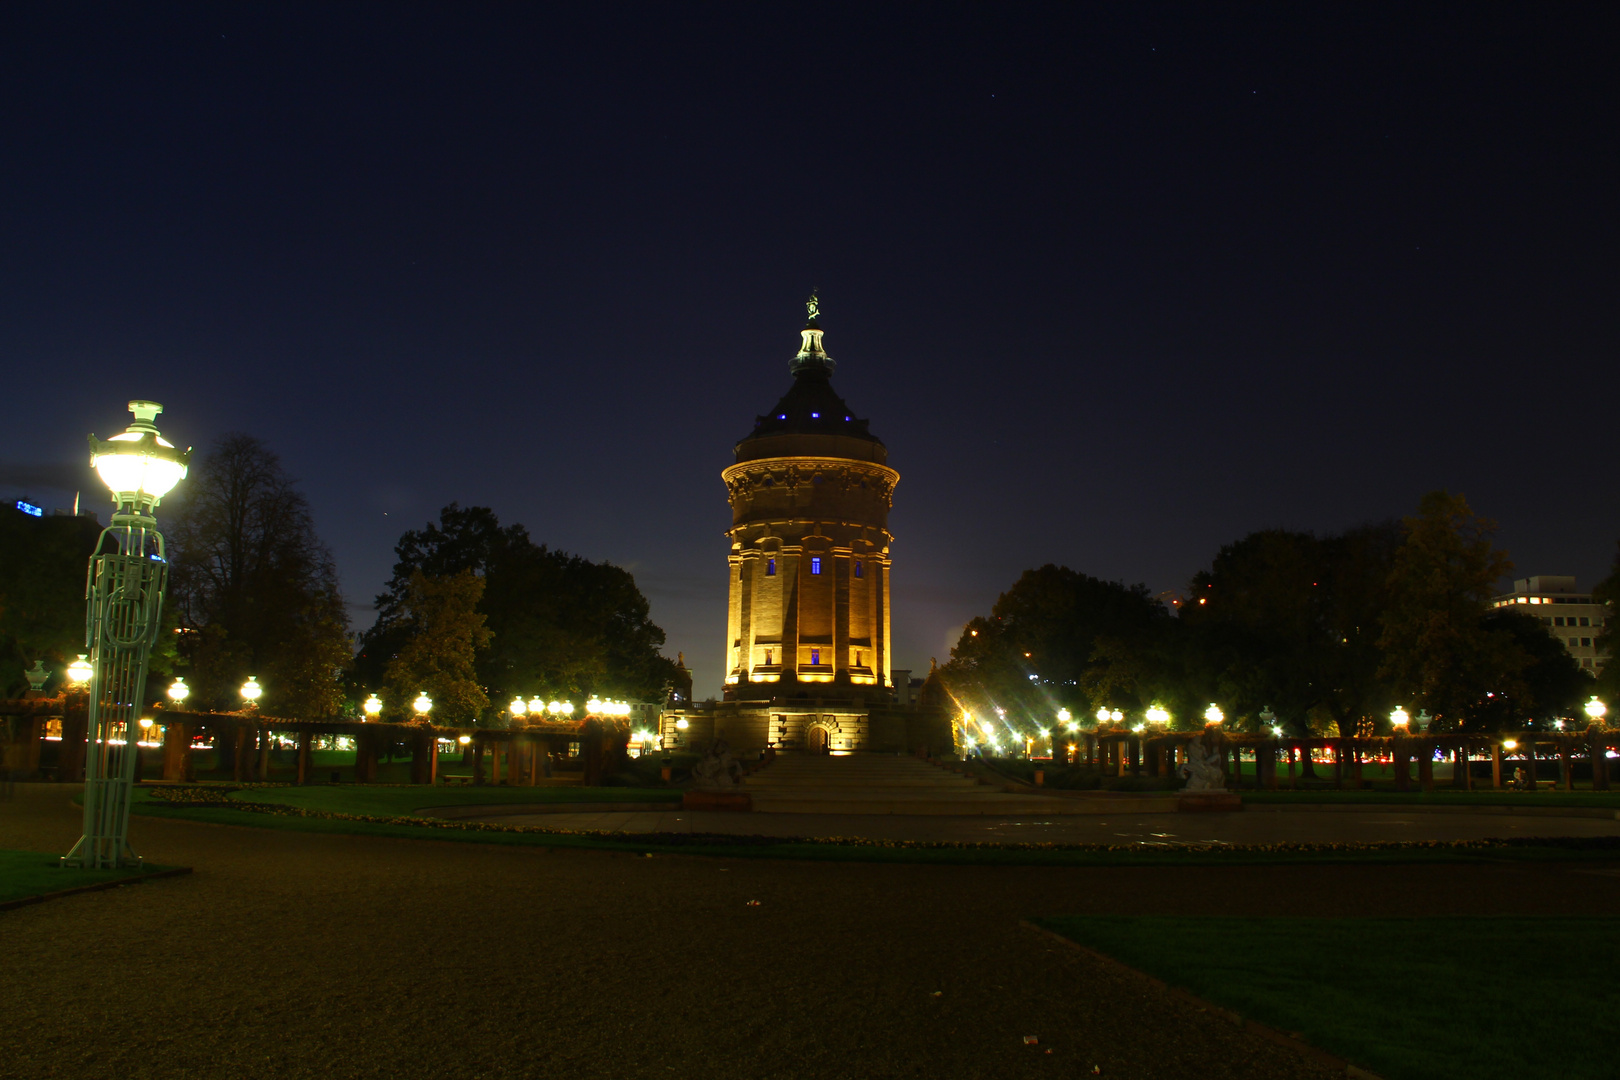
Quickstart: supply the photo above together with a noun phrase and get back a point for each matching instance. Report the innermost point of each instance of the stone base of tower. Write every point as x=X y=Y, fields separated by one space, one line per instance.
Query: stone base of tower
x=817 y=725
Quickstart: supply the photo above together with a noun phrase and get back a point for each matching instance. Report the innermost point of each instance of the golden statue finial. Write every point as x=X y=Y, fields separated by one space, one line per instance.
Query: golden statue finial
x=813 y=306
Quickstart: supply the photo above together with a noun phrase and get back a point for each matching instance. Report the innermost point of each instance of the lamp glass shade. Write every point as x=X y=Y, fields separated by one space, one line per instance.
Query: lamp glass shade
x=137 y=470
x=1213 y=714
x=519 y=707
x=251 y=690
x=179 y=691
x=80 y=670
x=372 y=706
x=423 y=704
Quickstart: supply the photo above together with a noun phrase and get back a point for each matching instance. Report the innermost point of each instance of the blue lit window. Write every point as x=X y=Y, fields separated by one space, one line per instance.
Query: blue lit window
x=815 y=657
x=815 y=565
x=781 y=416
x=770 y=567
x=857 y=568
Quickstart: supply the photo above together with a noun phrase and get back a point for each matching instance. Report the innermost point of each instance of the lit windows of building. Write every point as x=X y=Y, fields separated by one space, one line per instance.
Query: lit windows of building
x=1569 y=609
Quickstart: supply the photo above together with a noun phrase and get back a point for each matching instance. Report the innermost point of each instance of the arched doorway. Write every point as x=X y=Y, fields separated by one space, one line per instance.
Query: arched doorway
x=818 y=740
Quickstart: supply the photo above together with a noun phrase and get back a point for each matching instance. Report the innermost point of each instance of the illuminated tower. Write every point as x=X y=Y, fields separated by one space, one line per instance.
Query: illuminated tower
x=810 y=496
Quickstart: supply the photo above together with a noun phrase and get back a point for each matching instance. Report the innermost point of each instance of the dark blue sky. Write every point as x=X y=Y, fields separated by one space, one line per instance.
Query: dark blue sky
x=1116 y=286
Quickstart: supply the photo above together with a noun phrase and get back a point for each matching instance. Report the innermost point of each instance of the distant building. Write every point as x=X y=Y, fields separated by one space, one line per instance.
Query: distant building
x=1571 y=617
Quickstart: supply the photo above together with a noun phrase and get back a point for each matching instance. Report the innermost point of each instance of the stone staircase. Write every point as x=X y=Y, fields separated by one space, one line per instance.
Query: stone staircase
x=860 y=783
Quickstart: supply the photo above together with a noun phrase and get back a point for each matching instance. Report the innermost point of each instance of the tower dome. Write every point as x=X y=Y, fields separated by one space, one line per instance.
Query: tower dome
x=810 y=494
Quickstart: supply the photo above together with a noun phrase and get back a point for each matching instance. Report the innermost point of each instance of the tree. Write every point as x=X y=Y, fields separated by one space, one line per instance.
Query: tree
x=1058 y=639
x=439 y=655
x=42 y=568
x=254 y=589
x=1607 y=593
x=1290 y=620
x=1554 y=685
x=1439 y=651
x=560 y=624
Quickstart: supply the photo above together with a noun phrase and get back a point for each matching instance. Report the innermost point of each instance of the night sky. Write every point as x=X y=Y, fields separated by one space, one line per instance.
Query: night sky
x=1115 y=285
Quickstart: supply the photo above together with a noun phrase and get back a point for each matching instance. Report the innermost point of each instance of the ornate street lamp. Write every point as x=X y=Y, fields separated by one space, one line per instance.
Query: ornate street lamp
x=1158 y=716
x=423 y=704
x=1596 y=710
x=372 y=707
x=80 y=671
x=519 y=708
x=1400 y=718
x=178 y=692
x=124 y=616
x=1213 y=714
x=251 y=692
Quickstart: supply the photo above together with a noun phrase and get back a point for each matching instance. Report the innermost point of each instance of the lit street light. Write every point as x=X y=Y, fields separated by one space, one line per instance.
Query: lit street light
x=252 y=691
x=423 y=704
x=1400 y=718
x=1213 y=714
x=179 y=691
x=128 y=573
x=1596 y=710
x=1158 y=716
x=79 y=671
x=372 y=707
x=519 y=709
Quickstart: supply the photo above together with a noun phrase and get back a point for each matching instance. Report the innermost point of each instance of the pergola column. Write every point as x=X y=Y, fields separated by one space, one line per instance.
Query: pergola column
x=176 y=752
x=304 y=757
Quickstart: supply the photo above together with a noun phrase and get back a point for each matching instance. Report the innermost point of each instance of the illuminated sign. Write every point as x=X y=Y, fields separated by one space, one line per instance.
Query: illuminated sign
x=30 y=509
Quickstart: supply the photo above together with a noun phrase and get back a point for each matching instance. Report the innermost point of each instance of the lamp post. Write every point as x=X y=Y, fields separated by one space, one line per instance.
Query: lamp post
x=1596 y=710
x=251 y=692
x=372 y=707
x=423 y=705
x=123 y=617
x=178 y=692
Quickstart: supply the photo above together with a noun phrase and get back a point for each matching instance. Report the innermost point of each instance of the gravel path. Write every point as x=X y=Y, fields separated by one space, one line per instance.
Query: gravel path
x=305 y=955
x=1247 y=827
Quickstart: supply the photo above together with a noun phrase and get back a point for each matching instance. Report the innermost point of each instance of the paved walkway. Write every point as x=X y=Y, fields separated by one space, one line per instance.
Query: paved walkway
x=293 y=955
x=1244 y=827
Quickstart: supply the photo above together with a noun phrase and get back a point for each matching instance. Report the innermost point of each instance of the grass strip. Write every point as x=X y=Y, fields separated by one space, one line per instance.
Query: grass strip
x=1584 y=799
x=206 y=804
x=1407 y=998
x=407 y=799
x=29 y=875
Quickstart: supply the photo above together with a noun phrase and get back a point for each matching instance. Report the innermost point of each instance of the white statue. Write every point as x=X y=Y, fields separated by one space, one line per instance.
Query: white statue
x=1203 y=766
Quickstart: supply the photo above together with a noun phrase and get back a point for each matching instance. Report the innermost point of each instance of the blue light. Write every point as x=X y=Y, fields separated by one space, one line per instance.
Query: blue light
x=30 y=509
x=781 y=416
x=815 y=416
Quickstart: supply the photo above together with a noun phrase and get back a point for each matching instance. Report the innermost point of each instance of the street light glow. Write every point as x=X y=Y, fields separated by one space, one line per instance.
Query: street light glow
x=179 y=691
x=1596 y=709
x=1400 y=717
x=423 y=704
x=139 y=465
x=518 y=707
x=1213 y=714
x=79 y=671
x=372 y=707
x=251 y=690
x=1157 y=715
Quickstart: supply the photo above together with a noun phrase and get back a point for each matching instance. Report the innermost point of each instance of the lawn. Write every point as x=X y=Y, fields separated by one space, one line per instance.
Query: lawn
x=406 y=800
x=1408 y=999
x=31 y=873
x=1439 y=797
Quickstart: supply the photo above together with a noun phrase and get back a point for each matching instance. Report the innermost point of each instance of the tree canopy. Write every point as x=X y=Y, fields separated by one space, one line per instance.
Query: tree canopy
x=1328 y=632
x=254 y=589
x=560 y=625
x=42 y=575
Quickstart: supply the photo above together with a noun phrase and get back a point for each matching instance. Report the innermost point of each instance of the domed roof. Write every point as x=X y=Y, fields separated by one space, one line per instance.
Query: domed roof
x=811 y=418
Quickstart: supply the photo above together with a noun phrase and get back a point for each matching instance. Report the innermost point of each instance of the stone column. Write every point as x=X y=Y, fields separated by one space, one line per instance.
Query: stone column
x=1425 y=770
x=1599 y=748
x=176 y=752
x=305 y=758
x=1496 y=764
x=365 y=758
x=478 y=759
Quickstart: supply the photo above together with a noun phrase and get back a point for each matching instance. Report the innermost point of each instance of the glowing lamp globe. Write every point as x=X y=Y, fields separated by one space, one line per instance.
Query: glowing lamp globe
x=1116 y=716
x=1213 y=714
x=179 y=691
x=251 y=690
x=1400 y=718
x=1102 y=715
x=80 y=671
x=139 y=466
x=423 y=704
x=1158 y=716
x=464 y=739
x=537 y=706
x=1064 y=716
x=594 y=705
x=1596 y=709
x=682 y=724
x=146 y=723
x=1510 y=744
x=518 y=707
x=561 y=708
x=372 y=707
